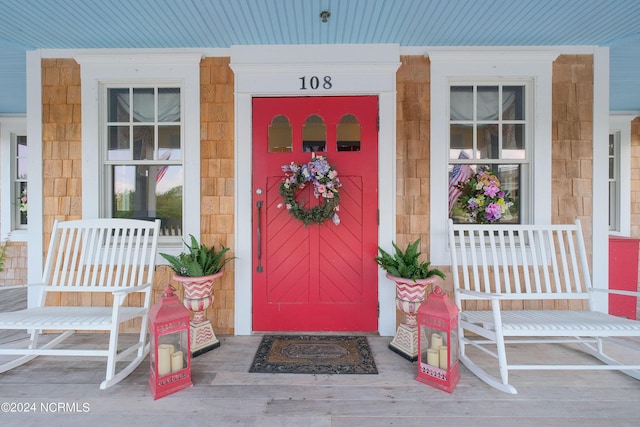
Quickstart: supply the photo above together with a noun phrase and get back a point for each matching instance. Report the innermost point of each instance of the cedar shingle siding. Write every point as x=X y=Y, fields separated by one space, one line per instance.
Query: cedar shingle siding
x=572 y=159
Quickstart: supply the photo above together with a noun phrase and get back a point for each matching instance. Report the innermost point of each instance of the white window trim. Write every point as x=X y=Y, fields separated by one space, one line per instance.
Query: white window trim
x=181 y=69
x=10 y=127
x=275 y=71
x=621 y=124
x=453 y=64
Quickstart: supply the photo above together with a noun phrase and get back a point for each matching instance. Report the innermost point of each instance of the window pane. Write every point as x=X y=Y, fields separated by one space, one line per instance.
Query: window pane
x=21 y=141
x=488 y=147
x=513 y=103
x=21 y=151
x=484 y=193
x=488 y=103
x=461 y=103
x=169 y=143
x=612 y=170
x=168 y=105
x=21 y=169
x=314 y=134
x=461 y=139
x=143 y=145
x=148 y=192
x=612 y=146
x=118 y=105
x=513 y=142
x=613 y=205
x=21 y=190
x=348 y=134
x=118 y=143
x=143 y=105
x=280 y=135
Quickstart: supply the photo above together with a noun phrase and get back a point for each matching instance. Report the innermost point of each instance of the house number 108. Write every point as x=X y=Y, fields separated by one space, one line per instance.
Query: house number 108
x=314 y=82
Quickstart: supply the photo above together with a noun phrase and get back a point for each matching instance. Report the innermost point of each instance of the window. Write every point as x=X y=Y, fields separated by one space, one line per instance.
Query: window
x=614 y=180
x=19 y=172
x=348 y=134
x=14 y=156
x=143 y=155
x=314 y=134
x=620 y=171
x=144 y=110
x=513 y=141
x=280 y=135
x=488 y=133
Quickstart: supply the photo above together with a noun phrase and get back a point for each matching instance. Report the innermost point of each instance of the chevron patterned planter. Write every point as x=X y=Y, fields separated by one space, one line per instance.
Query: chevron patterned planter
x=409 y=295
x=198 y=297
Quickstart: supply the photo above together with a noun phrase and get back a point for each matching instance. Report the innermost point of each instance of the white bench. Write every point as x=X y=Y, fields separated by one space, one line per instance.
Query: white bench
x=114 y=258
x=529 y=284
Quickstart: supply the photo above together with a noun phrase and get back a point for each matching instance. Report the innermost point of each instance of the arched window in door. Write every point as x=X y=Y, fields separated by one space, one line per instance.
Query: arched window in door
x=280 y=135
x=348 y=133
x=314 y=134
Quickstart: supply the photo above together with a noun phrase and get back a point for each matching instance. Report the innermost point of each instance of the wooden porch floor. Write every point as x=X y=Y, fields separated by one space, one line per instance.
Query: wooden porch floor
x=225 y=394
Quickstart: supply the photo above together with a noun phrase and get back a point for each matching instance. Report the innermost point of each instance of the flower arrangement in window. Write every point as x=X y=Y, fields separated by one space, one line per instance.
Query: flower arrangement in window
x=23 y=200
x=324 y=178
x=482 y=198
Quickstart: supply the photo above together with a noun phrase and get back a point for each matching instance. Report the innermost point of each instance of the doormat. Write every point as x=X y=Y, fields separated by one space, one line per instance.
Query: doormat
x=313 y=354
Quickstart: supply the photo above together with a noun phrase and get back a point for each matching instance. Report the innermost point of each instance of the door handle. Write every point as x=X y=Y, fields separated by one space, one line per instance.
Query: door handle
x=259 y=236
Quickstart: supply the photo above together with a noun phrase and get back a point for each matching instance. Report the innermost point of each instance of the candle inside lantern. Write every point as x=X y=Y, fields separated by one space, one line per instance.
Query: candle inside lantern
x=436 y=341
x=164 y=359
x=444 y=357
x=176 y=361
x=432 y=358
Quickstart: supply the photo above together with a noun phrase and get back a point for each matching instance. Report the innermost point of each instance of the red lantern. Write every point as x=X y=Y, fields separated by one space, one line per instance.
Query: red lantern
x=170 y=354
x=438 y=364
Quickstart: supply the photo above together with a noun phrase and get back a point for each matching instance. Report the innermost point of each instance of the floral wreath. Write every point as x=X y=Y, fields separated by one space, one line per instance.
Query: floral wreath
x=482 y=198
x=325 y=184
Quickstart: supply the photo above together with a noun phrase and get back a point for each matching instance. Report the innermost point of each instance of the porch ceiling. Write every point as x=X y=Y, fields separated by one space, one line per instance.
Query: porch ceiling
x=35 y=24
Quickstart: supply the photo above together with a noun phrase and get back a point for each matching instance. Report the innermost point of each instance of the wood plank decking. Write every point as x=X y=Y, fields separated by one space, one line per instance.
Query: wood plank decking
x=64 y=392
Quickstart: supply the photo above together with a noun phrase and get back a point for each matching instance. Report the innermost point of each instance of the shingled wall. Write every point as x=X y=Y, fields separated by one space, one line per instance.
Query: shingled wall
x=571 y=173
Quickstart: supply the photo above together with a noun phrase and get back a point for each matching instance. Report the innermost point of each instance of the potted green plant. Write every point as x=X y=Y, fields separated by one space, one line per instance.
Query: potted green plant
x=199 y=260
x=406 y=264
x=411 y=277
x=196 y=269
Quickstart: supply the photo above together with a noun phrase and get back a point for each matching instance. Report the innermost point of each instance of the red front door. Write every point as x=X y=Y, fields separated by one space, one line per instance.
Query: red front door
x=320 y=277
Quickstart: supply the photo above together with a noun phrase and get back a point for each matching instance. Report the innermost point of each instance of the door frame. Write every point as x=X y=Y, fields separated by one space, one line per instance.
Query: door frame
x=278 y=71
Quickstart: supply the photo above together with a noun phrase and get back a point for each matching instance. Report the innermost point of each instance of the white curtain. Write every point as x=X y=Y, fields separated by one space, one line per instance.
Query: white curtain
x=143 y=106
x=462 y=104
